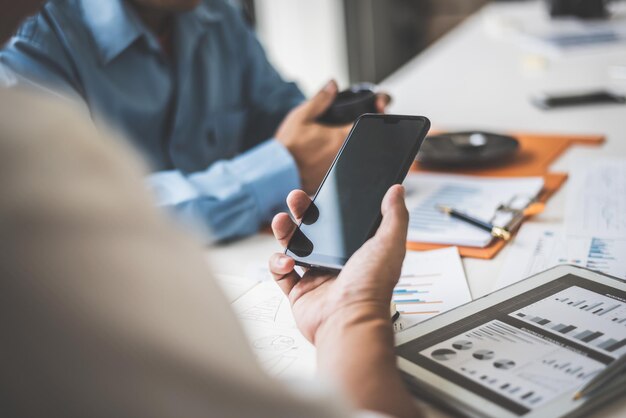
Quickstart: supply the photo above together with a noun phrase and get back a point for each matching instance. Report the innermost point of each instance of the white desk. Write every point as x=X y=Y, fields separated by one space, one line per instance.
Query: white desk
x=472 y=80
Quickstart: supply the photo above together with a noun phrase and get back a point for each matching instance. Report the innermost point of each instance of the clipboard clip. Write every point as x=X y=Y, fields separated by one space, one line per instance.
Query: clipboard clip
x=518 y=208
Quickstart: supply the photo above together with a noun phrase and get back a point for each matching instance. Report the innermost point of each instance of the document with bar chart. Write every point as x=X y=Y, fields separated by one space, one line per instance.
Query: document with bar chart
x=528 y=351
x=595 y=215
x=596 y=199
x=515 y=364
x=582 y=316
x=431 y=282
x=540 y=246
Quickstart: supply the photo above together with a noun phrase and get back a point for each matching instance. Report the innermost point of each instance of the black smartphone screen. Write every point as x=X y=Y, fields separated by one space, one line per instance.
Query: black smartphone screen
x=346 y=209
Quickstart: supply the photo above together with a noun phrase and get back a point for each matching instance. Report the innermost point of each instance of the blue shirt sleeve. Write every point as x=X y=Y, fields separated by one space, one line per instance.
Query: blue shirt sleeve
x=232 y=198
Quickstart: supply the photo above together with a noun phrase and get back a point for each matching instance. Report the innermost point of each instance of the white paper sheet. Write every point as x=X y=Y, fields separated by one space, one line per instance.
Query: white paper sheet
x=281 y=349
x=431 y=282
x=234 y=286
x=536 y=247
x=605 y=255
x=596 y=199
x=475 y=196
x=540 y=246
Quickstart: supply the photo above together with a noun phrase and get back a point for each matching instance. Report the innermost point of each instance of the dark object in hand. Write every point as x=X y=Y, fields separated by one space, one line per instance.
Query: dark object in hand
x=597 y=97
x=467 y=149
x=584 y=9
x=350 y=104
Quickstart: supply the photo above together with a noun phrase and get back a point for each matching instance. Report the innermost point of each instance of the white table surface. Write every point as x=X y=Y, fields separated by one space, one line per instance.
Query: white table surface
x=473 y=79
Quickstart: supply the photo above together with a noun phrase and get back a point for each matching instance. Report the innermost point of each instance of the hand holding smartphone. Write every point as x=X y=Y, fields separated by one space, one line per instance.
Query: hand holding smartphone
x=345 y=211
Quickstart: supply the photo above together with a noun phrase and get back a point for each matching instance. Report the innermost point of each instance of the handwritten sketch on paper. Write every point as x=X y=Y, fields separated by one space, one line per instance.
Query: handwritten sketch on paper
x=269 y=324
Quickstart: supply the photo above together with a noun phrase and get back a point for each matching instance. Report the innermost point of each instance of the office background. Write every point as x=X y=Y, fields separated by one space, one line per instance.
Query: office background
x=351 y=40
x=312 y=41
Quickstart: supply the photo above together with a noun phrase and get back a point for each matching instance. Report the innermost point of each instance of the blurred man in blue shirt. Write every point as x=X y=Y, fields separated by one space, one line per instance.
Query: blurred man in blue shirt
x=187 y=82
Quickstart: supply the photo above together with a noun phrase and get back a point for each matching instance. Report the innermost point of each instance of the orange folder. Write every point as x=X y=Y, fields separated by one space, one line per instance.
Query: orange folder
x=537 y=152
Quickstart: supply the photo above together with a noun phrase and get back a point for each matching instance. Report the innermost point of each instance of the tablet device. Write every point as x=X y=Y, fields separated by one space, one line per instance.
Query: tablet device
x=522 y=351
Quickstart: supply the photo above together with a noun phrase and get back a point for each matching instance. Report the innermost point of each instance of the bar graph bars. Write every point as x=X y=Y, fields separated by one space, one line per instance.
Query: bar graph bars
x=605 y=255
x=601 y=254
x=596 y=308
x=412 y=296
x=591 y=319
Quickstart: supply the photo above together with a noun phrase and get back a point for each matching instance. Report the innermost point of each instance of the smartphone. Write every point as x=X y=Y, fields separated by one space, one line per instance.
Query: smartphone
x=590 y=98
x=345 y=211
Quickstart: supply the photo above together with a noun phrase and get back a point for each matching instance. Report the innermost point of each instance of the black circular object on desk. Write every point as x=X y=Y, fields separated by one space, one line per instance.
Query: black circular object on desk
x=467 y=149
x=350 y=104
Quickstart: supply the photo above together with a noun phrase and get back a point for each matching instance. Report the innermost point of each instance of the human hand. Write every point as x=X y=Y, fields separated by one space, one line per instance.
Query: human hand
x=312 y=145
x=364 y=286
x=382 y=101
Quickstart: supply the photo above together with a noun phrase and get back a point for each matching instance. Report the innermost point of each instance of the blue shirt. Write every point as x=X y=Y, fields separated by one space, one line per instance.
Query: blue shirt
x=203 y=117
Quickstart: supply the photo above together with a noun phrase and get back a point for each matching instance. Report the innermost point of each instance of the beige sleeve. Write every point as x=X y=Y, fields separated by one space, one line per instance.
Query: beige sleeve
x=106 y=310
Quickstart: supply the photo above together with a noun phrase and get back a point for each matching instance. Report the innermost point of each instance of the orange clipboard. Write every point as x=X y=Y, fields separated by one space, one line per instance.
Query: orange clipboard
x=537 y=153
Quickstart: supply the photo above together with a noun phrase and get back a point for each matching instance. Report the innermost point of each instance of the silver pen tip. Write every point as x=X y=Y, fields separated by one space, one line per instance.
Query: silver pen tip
x=444 y=209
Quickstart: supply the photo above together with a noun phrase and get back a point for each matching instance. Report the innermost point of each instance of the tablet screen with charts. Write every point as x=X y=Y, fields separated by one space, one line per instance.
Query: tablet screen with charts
x=524 y=350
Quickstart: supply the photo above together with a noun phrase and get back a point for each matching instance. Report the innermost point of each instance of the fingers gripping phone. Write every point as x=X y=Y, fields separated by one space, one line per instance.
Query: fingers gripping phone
x=345 y=211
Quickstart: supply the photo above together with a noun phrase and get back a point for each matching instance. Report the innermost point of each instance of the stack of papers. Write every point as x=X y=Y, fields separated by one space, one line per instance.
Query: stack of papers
x=594 y=233
x=595 y=217
x=537 y=247
x=476 y=196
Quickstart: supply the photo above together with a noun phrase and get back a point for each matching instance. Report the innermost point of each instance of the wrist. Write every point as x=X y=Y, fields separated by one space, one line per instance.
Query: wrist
x=362 y=317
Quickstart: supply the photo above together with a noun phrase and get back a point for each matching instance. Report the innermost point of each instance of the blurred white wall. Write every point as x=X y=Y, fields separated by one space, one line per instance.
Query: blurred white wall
x=305 y=40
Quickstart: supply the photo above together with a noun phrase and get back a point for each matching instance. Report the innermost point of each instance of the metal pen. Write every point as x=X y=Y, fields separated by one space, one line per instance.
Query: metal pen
x=603 y=378
x=495 y=231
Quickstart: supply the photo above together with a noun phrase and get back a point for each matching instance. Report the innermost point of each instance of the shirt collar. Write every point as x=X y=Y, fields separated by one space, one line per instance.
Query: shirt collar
x=115 y=26
x=206 y=14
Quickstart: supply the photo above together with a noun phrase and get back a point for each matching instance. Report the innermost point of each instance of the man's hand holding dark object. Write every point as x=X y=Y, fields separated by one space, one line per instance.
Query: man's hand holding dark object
x=314 y=145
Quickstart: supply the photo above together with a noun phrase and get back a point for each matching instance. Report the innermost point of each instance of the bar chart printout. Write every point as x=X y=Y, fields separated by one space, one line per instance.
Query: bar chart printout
x=607 y=256
x=514 y=364
x=431 y=282
x=580 y=315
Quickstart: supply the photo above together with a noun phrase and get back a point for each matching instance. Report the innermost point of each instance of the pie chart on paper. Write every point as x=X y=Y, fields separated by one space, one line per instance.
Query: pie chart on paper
x=443 y=354
x=504 y=364
x=483 y=354
x=462 y=345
